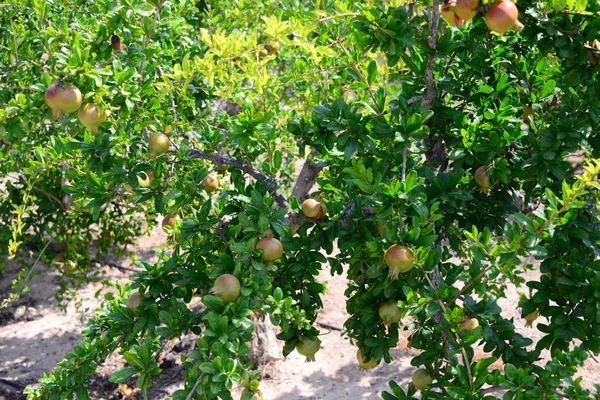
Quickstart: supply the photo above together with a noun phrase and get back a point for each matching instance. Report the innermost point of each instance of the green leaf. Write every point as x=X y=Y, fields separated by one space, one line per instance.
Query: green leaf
x=123 y=375
x=143 y=9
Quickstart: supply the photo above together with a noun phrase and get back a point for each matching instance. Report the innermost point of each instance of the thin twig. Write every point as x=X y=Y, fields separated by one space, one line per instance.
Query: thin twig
x=270 y=183
x=333 y=328
x=116 y=266
x=191 y=393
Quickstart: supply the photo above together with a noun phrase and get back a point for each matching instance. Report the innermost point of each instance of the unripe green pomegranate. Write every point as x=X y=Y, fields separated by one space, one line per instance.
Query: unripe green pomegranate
x=482 y=179
x=226 y=288
x=361 y=361
x=271 y=247
x=158 y=144
x=421 y=379
x=90 y=117
x=399 y=259
x=529 y=318
x=390 y=313
x=255 y=395
x=308 y=348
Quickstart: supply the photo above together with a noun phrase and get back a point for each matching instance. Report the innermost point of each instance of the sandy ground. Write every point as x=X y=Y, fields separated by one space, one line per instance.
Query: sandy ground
x=34 y=335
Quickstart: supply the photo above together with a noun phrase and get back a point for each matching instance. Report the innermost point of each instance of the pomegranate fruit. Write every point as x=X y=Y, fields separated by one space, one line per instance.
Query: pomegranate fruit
x=168 y=221
x=271 y=247
x=398 y=259
x=210 y=183
x=62 y=98
x=308 y=348
x=382 y=228
x=226 y=288
x=529 y=318
x=449 y=15
x=134 y=301
x=421 y=379
x=390 y=313
x=90 y=117
x=116 y=43
x=503 y=16
x=272 y=48
x=482 y=179
x=372 y=363
x=311 y=208
x=247 y=394
x=158 y=144
x=466 y=9
x=469 y=324
x=67 y=267
x=145 y=178
x=263 y=53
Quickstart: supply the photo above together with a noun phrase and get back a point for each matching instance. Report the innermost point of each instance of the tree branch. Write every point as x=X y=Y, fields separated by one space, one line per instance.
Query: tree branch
x=306 y=178
x=270 y=183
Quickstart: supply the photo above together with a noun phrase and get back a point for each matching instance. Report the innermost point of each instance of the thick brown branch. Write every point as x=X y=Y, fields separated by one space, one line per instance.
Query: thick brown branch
x=306 y=178
x=270 y=183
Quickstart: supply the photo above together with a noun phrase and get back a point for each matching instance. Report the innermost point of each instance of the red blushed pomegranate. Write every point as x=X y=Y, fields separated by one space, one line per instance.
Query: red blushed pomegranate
x=168 y=221
x=503 y=16
x=226 y=288
x=390 y=313
x=90 y=117
x=271 y=247
x=398 y=259
x=449 y=15
x=308 y=348
x=466 y=9
x=62 y=98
